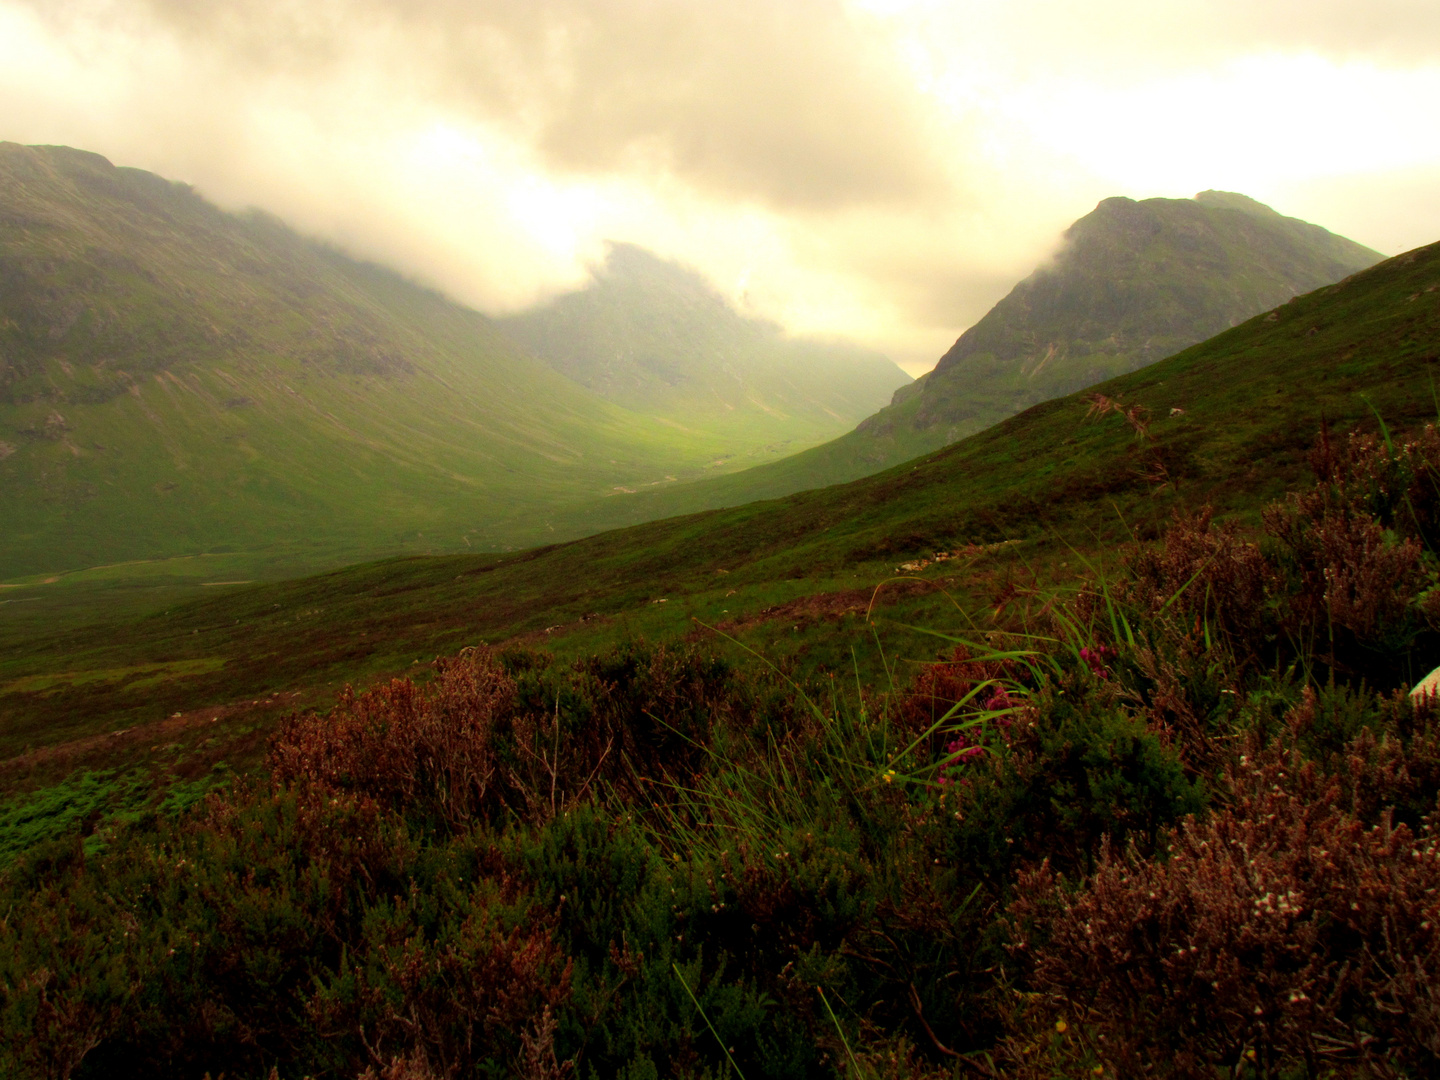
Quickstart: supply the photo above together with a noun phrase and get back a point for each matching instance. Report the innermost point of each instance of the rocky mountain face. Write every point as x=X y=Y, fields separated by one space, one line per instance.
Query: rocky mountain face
x=1132 y=283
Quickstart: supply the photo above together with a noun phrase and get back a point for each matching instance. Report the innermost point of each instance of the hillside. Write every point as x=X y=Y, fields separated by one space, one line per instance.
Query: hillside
x=663 y=858
x=178 y=381
x=1134 y=282
x=657 y=338
x=1231 y=418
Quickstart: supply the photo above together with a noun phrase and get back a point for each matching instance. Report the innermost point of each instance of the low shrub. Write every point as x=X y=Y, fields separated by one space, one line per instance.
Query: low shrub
x=1281 y=933
x=1180 y=824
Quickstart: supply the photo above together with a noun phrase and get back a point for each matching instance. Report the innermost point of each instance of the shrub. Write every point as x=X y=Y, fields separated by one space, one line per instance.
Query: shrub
x=443 y=996
x=1206 y=573
x=1282 y=932
x=1076 y=766
x=1357 y=557
x=431 y=750
x=70 y=968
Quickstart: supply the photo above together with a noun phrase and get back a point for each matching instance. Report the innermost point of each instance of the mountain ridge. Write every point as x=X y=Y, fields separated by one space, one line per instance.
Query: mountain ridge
x=176 y=380
x=972 y=388
x=1109 y=302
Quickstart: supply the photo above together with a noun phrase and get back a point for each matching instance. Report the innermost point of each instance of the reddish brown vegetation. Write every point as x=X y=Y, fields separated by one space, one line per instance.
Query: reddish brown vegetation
x=1291 y=925
x=408 y=746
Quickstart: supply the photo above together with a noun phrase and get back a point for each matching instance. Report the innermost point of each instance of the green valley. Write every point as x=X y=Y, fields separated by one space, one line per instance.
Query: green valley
x=225 y=400
x=1134 y=282
x=606 y=800
x=1230 y=422
x=656 y=338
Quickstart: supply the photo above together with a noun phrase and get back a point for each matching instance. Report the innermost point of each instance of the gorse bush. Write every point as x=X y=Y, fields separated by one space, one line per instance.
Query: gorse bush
x=1179 y=823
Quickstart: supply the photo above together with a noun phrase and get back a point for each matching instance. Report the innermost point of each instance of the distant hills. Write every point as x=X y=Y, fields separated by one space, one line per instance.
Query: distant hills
x=1231 y=421
x=1132 y=283
x=657 y=338
x=176 y=380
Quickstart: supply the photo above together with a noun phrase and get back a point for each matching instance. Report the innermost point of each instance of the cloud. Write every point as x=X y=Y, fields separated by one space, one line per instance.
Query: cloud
x=884 y=169
x=794 y=104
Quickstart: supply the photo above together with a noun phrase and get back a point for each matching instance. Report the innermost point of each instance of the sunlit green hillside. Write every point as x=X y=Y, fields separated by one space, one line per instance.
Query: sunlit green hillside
x=177 y=381
x=1135 y=282
x=1230 y=422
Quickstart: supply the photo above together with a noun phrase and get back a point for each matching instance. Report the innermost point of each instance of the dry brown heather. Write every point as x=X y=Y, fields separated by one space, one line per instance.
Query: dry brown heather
x=1178 y=823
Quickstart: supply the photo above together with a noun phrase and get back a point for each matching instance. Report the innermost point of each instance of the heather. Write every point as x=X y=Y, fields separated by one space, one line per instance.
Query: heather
x=1178 y=820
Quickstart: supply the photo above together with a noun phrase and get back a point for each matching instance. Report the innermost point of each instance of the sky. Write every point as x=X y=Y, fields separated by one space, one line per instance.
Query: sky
x=881 y=170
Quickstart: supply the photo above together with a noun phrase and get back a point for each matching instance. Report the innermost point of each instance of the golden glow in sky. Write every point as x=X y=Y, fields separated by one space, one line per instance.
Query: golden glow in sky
x=881 y=169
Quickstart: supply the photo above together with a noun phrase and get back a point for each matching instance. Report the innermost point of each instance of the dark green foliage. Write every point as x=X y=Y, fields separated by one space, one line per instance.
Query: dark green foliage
x=93 y=804
x=1080 y=767
x=651 y=863
x=654 y=861
x=1285 y=935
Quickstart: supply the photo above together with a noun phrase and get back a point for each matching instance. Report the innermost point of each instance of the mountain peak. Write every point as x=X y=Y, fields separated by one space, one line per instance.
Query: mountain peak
x=1233 y=200
x=1135 y=282
x=654 y=335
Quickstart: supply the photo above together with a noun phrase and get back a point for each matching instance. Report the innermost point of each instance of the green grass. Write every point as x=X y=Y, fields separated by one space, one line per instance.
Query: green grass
x=94 y=803
x=177 y=381
x=1253 y=400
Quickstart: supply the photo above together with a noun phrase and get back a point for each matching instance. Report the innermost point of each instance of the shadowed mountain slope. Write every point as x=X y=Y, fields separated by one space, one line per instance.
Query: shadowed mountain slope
x=175 y=379
x=657 y=338
x=1133 y=283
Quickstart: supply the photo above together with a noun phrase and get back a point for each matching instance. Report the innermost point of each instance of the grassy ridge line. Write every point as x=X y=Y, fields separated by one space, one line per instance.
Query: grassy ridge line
x=1253 y=399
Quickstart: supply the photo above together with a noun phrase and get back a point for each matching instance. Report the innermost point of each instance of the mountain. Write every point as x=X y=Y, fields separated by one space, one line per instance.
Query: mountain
x=178 y=381
x=657 y=338
x=1133 y=282
x=1230 y=420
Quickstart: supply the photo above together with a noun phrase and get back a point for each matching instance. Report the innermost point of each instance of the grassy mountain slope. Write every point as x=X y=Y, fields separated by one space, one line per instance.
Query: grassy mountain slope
x=656 y=337
x=1136 y=281
x=1253 y=399
x=176 y=380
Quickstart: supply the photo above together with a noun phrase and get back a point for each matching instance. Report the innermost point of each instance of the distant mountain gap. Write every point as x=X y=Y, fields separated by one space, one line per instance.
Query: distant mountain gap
x=1134 y=282
x=656 y=337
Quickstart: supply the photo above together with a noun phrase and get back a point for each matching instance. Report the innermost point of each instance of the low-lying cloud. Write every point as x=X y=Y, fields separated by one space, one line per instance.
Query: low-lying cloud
x=879 y=168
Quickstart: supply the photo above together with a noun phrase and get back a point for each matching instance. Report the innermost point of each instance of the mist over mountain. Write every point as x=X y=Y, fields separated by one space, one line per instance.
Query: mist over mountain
x=178 y=380
x=1134 y=282
x=657 y=338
